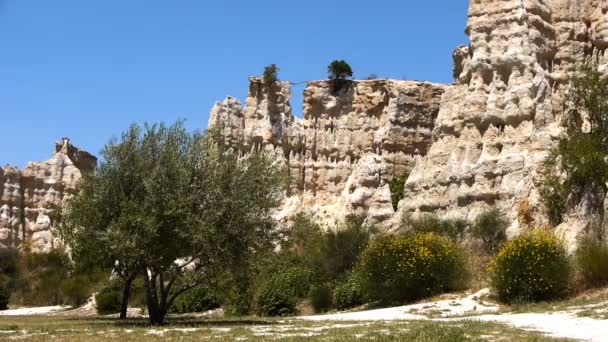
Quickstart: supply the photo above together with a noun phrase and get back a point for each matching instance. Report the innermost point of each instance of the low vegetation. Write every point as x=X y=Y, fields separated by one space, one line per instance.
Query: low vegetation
x=532 y=267
x=196 y=329
x=592 y=262
x=396 y=269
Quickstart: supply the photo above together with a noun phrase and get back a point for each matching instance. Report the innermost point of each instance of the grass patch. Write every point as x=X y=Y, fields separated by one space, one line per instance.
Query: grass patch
x=195 y=329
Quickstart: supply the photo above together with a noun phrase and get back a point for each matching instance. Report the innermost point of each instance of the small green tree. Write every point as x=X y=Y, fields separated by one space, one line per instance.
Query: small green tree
x=270 y=75
x=397 y=186
x=577 y=169
x=175 y=209
x=339 y=70
x=490 y=228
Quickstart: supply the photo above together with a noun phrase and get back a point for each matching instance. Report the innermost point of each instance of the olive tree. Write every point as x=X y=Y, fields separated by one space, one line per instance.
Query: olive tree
x=174 y=208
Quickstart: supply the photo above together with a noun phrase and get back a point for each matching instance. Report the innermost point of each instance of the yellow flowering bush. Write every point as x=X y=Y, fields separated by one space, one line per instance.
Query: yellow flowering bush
x=395 y=268
x=532 y=267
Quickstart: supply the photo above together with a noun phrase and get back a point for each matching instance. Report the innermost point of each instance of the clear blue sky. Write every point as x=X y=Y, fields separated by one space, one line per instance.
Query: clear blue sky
x=88 y=68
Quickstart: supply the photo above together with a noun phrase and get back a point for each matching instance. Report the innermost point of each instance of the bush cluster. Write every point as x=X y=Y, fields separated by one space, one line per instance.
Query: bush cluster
x=490 y=228
x=321 y=297
x=279 y=290
x=199 y=299
x=109 y=299
x=532 y=267
x=347 y=292
x=455 y=229
x=395 y=268
x=592 y=262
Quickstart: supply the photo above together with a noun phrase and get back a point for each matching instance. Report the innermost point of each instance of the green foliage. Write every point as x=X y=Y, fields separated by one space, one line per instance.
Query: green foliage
x=320 y=297
x=280 y=288
x=327 y=254
x=397 y=186
x=578 y=166
x=339 y=70
x=162 y=194
x=4 y=297
x=430 y=332
x=108 y=300
x=590 y=96
x=490 y=227
x=271 y=74
x=41 y=276
x=592 y=261
x=580 y=160
x=397 y=268
x=454 y=229
x=532 y=267
x=347 y=292
x=79 y=287
x=341 y=249
x=199 y=299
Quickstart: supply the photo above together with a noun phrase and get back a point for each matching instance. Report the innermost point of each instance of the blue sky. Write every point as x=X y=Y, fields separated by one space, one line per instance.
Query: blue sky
x=87 y=69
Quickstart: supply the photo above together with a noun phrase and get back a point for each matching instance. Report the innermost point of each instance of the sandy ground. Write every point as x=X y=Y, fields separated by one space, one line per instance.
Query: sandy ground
x=565 y=324
x=43 y=310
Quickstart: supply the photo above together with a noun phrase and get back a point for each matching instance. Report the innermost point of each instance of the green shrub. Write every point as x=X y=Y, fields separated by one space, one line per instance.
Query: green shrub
x=4 y=298
x=397 y=187
x=339 y=70
x=340 y=249
x=271 y=74
x=320 y=297
x=577 y=168
x=79 y=287
x=199 y=299
x=347 y=293
x=108 y=300
x=327 y=254
x=592 y=260
x=397 y=268
x=40 y=278
x=532 y=267
x=278 y=293
x=490 y=227
x=454 y=229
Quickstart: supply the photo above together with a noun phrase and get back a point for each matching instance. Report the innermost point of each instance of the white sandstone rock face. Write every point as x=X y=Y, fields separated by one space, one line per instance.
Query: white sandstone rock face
x=477 y=143
x=29 y=196
x=330 y=152
x=496 y=125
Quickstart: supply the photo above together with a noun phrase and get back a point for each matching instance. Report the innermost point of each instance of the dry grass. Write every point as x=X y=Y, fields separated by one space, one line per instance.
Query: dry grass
x=57 y=328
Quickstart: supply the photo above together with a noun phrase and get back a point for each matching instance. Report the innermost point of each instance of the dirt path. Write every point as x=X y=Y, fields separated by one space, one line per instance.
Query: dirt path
x=565 y=323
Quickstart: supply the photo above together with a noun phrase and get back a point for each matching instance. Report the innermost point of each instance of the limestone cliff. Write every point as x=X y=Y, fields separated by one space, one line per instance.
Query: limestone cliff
x=476 y=143
x=350 y=142
x=30 y=195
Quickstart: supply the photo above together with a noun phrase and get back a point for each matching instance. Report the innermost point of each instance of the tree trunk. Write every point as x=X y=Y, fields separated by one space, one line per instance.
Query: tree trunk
x=126 y=292
x=154 y=314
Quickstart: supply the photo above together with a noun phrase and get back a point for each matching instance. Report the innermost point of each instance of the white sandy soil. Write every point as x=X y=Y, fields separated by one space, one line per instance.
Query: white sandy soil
x=564 y=324
x=43 y=310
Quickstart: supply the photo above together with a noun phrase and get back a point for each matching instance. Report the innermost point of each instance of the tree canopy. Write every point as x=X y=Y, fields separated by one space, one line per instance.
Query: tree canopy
x=173 y=208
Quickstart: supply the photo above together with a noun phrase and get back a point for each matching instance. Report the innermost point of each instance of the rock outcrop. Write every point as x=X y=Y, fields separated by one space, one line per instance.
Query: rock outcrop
x=476 y=143
x=29 y=196
x=350 y=142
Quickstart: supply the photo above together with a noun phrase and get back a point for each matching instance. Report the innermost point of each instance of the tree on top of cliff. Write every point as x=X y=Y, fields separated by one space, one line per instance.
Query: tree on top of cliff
x=174 y=208
x=271 y=74
x=339 y=70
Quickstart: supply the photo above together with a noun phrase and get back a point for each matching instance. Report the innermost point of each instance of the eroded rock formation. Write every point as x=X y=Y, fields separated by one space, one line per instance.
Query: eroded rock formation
x=349 y=143
x=476 y=143
x=29 y=196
